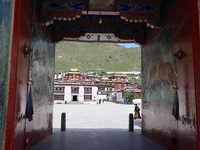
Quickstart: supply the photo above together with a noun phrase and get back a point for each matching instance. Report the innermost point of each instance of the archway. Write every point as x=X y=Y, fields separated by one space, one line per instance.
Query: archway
x=38 y=24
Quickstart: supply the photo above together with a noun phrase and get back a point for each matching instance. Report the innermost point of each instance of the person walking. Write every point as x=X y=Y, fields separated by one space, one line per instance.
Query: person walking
x=137 y=112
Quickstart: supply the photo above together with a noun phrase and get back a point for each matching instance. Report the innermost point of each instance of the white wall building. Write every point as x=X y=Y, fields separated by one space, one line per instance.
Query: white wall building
x=101 y=96
x=78 y=93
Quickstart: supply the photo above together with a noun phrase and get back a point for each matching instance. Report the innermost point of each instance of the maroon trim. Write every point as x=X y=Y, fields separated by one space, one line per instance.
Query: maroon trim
x=194 y=10
x=11 y=106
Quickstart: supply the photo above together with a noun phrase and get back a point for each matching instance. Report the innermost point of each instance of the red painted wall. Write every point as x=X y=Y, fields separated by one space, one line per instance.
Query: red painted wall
x=195 y=23
x=183 y=38
x=161 y=126
x=17 y=127
x=18 y=78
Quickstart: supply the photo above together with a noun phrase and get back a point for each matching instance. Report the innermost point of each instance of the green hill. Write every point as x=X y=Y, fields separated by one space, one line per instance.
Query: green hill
x=88 y=57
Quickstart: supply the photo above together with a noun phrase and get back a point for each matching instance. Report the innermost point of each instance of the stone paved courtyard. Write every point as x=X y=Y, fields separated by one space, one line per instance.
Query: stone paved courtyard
x=92 y=115
x=92 y=126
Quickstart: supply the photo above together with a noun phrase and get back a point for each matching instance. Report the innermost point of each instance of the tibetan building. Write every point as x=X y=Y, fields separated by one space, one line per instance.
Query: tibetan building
x=74 y=74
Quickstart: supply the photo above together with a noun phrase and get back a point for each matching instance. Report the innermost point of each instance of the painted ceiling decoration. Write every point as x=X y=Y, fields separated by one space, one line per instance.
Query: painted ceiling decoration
x=103 y=5
x=94 y=37
x=127 y=20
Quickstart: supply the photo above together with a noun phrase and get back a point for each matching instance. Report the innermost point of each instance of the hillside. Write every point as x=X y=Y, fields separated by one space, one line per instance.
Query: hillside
x=88 y=57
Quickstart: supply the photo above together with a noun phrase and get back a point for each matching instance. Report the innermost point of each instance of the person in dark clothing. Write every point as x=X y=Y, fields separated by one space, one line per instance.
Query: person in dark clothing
x=137 y=112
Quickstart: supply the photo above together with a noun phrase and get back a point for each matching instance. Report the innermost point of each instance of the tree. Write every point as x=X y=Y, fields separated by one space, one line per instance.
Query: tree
x=130 y=96
x=102 y=73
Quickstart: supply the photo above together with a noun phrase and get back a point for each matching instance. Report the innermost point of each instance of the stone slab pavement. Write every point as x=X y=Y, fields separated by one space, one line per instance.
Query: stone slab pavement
x=92 y=126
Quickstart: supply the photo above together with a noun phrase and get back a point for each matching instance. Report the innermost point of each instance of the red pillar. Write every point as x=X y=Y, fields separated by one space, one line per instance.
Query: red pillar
x=11 y=105
x=194 y=12
x=21 y=36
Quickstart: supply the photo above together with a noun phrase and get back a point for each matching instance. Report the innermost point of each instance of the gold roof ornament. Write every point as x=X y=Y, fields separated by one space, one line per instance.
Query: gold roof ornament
x=118 y=74
x=104 y=79
x=73 y=71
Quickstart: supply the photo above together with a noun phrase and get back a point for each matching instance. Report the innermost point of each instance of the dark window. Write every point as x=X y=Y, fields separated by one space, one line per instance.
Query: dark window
x=101 y=88
x=87 y=90
x=87 y=97
x=58 y=97
x=74 y=90
x=109 y=89
x=59 y=89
